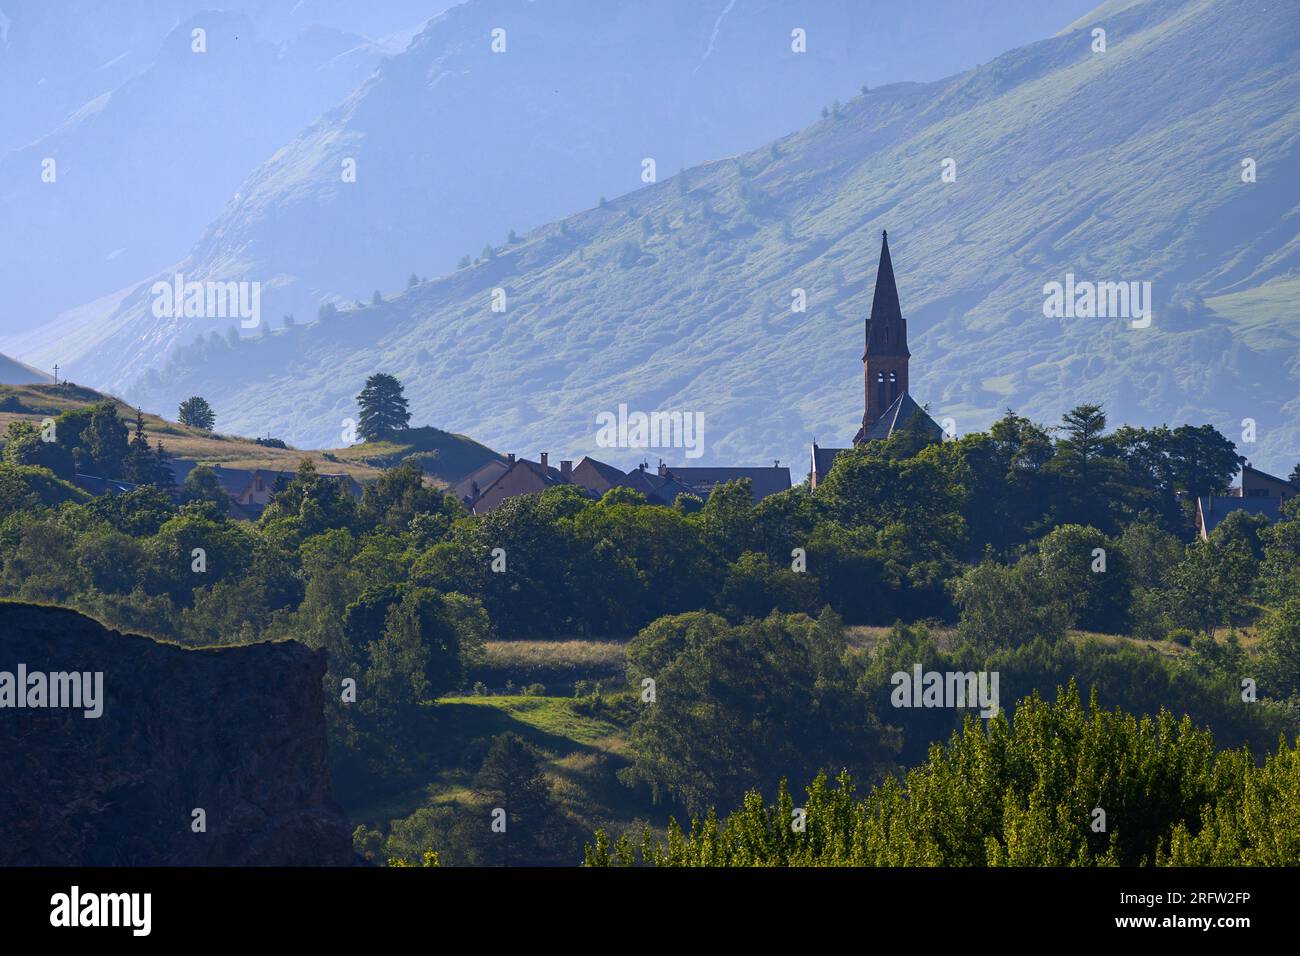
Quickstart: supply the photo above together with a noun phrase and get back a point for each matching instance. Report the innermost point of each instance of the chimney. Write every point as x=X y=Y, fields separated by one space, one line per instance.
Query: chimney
x=566 y=470
x=510 y=458
x=776 y=462
x=544 y=465
x=662 y=467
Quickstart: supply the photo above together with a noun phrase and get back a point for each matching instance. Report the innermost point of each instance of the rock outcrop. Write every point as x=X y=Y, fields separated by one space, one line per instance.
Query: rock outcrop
x=235 y=732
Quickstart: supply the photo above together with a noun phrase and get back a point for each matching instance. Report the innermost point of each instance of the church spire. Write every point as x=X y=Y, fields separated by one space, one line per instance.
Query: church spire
x=884 y=363
x=886 y=329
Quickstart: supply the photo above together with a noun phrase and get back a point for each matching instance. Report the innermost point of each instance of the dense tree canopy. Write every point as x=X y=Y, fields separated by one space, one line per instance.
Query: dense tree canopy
x=1060 y=785
x=770 y=631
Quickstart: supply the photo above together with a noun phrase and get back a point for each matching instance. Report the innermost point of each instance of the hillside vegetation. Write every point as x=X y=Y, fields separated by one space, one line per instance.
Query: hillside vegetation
x=449 y=457
x=445 y=458
x=552 y=117
x=34 y=403
x=679 y=295
x=1025 y=556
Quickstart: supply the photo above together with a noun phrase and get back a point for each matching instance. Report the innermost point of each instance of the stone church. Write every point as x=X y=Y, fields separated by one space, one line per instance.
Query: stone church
x=889 y=407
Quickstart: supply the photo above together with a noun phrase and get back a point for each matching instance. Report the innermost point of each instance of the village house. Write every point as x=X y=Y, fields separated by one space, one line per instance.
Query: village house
x=251 y=490
x=468 y=489
x=521 y=477
x=594 y=478
x=1257 y=493
x=701 y=481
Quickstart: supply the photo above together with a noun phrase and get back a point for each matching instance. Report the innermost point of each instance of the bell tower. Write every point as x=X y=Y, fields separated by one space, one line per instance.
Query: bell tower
x=884 y=363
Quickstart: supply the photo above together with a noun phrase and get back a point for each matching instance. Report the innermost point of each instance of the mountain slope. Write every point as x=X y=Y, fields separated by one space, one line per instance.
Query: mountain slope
x=57 y=56
x=456 y=145
x=1121 y=166
x=13 y=372
x=138 y=169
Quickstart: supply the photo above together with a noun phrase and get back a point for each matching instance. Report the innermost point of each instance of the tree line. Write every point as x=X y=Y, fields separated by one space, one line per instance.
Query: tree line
x=978 y=552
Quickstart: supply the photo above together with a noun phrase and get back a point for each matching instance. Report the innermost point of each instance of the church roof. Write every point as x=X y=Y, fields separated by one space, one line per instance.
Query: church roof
x=823 y=459
x=895 y=417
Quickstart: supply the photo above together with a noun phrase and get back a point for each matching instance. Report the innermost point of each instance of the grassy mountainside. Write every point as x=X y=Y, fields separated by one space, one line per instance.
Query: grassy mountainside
x=678 y=296
x=444 y=457
x=451 y=457
x=456 y=145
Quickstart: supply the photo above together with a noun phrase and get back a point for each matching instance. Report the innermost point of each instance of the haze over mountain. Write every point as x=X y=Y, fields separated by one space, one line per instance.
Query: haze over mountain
x=137 y=170
x=13 y=372
x=456 y=145
x=58 y=55
x=678 y=296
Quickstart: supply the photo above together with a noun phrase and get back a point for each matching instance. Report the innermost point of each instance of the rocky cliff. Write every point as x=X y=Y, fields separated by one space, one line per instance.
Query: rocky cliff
x=237 y=733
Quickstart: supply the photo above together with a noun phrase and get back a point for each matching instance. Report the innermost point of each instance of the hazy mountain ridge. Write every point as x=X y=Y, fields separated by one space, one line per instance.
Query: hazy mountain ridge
x=57 y=55
x=19 y=373
x=138 y=169
x=456 y=145
x=1060 y=169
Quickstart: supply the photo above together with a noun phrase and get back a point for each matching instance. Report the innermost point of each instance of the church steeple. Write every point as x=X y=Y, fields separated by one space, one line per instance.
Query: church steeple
x=884 y=363
x=886 y=329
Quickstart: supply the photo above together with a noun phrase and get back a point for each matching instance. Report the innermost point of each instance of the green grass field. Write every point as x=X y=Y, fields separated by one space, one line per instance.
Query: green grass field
x=583 y=752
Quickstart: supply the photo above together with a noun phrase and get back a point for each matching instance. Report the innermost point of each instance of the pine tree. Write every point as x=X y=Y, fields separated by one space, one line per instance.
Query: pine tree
x=383 y=407
x=140 y=465
x=164 y=478
x=512 y=780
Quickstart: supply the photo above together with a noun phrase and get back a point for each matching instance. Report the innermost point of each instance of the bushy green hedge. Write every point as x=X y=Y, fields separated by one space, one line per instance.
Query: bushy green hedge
x=1059 y=785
